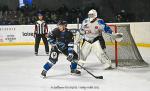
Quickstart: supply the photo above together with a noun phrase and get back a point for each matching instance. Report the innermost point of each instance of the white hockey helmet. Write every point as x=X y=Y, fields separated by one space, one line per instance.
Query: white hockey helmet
x=92 y=14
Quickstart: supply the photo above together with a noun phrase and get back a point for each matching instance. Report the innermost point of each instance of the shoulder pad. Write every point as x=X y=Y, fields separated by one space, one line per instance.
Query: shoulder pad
x=101 y=21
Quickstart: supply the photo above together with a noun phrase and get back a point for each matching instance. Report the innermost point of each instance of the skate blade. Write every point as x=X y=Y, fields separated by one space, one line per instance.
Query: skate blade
x=43 y=77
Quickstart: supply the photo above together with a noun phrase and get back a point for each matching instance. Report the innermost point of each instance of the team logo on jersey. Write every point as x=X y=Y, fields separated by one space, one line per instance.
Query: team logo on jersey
x=96 y=27
x=54 y=55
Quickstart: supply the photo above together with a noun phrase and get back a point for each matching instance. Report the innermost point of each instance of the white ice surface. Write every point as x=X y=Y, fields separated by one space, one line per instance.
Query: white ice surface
x=20 y=71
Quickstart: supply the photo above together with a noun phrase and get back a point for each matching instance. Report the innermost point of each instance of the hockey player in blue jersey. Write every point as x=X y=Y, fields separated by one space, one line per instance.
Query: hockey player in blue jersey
x=61 y=41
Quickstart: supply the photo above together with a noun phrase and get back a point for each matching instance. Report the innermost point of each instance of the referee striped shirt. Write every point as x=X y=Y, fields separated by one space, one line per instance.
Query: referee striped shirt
x=41 y=27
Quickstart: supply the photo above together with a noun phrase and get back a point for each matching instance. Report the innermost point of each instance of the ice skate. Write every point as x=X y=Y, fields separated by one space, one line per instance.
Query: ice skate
x=36 y=53
x=44 y=73
x=47 y=53
x=75 y=72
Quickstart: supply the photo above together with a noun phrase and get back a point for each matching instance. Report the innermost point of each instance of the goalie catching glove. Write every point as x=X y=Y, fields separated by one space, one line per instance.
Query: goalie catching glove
x=117 y=36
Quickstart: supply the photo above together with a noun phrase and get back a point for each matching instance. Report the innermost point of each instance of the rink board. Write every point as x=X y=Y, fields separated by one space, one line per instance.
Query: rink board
x=13 y=35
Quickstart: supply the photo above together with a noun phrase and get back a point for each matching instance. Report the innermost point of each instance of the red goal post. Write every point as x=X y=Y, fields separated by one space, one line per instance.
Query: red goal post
x=114 y=29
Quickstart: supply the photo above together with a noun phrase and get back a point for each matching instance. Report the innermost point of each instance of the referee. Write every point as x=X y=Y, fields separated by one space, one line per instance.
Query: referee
x=41 y=31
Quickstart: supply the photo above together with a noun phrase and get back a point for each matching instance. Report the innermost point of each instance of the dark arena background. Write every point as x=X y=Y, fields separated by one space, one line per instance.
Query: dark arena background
x=110 y=10
x=21 y=65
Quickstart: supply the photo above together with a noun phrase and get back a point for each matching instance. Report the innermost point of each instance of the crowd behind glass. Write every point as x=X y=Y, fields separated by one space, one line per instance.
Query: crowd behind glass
x=28 y=15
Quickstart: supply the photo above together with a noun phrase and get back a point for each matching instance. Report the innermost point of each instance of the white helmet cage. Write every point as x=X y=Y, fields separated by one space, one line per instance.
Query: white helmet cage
x=92 y=14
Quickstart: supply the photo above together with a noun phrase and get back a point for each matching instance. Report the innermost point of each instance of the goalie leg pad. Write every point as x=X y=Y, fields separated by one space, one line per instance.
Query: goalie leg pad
x=85 y=50
x=101 y=55
x=106 y=60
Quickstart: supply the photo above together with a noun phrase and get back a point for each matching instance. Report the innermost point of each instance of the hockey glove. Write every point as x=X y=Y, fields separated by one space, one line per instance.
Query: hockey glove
x=61 y=45
x=70 y=51
x=51 y=41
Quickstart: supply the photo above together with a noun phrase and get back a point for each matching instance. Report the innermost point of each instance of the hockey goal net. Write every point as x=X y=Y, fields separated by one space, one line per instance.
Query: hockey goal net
x=124 y=53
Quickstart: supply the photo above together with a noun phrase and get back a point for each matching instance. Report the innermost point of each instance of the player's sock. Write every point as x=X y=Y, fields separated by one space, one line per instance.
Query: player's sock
x=46 y=67
x=74 y=70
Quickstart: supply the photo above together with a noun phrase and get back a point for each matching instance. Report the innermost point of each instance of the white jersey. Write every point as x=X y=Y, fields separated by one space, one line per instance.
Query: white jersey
x=91 y=30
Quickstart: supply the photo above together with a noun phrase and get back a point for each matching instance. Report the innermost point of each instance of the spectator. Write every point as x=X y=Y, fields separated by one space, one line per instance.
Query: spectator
x=122 y=16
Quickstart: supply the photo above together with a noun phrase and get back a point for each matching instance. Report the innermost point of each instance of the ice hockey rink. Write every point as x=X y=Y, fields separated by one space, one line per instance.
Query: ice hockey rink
x=20 y=71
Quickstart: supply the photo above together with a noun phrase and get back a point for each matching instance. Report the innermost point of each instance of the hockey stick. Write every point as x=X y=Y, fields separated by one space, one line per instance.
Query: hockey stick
x=97 y=77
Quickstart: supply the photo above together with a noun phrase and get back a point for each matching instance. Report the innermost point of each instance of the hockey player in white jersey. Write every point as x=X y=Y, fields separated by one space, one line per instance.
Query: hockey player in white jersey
x=91 y=32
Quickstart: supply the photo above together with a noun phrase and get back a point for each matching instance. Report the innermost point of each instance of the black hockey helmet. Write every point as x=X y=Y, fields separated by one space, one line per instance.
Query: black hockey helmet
x=61 y=22
x=39 y=14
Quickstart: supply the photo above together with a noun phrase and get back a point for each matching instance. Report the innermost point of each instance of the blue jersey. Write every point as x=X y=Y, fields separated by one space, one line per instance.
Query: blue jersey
x=64 y=40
